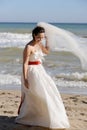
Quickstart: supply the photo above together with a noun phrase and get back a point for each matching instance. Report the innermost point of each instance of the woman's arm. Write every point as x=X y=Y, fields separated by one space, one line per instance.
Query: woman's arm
x=45 y=48
x=26 y=54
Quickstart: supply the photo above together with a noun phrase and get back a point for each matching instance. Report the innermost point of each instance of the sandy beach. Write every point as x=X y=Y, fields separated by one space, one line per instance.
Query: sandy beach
x=76 y=108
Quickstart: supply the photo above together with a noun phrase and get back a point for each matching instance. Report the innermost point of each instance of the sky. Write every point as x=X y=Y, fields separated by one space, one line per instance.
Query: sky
x=61 y=11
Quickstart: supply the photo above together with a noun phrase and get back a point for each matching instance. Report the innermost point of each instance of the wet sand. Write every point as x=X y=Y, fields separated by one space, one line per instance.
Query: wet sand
x=75 y=105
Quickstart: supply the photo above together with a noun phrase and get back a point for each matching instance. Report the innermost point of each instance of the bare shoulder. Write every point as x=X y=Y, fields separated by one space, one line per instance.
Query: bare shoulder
x=28 y=46
x=28 y=49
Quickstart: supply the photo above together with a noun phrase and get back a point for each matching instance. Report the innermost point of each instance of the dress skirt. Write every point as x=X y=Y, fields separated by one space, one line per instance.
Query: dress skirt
x=41 y=102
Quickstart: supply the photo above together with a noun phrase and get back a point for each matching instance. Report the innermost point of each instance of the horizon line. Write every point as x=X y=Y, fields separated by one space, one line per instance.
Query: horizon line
x=47 y=22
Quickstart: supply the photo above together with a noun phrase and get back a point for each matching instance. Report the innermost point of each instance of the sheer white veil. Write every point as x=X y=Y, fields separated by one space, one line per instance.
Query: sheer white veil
x=61 y=39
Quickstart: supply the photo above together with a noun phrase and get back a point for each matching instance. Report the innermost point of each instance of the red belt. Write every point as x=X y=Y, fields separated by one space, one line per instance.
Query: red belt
x=34 y=62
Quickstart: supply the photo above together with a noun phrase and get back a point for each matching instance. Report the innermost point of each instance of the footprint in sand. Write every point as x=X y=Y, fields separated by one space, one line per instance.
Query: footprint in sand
x=84 y=102
x=17 y=96
x=2 y=93
x=82 y=114
x=75 y=99
x=9 y=93
x=10 y=112
x=2 y=106
x=85 y=120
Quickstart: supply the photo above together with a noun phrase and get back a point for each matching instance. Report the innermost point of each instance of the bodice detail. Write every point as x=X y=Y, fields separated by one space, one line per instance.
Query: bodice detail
x=37 y=55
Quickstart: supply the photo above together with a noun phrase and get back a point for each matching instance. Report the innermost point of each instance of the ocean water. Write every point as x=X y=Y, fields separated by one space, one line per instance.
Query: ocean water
x=64 y=67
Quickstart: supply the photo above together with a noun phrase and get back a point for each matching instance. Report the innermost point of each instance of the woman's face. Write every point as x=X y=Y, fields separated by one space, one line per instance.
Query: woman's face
x=39 y=37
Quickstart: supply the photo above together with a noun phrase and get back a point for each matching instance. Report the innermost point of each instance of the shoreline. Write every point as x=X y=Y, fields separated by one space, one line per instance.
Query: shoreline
x=62 y=90
x=75 y=105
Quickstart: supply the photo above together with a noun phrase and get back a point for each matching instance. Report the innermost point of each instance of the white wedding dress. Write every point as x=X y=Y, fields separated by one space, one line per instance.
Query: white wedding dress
x=41 y=103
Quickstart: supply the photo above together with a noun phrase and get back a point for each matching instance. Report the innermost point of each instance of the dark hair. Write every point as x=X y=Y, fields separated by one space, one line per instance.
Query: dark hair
x=37 y=30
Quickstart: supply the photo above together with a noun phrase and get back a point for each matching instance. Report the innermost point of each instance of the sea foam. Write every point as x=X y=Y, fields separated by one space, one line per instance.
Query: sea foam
x=73 y=80
x=14 y=39
x=8 y=39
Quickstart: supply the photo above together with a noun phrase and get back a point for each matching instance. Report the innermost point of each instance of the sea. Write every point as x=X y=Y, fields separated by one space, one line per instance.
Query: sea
x=64 y=67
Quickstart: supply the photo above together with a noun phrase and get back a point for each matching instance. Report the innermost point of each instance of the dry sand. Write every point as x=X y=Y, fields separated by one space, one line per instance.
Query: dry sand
x=76 y=108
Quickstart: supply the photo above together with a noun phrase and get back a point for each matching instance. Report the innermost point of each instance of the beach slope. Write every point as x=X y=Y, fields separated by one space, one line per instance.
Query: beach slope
x=76 y=108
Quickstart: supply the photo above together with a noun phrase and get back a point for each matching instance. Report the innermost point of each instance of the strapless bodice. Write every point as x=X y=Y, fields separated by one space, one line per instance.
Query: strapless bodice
x=36 y=56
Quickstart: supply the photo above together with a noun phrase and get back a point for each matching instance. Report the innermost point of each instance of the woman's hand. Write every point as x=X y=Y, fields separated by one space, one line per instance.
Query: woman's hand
x=47 y=46
x=26 y=83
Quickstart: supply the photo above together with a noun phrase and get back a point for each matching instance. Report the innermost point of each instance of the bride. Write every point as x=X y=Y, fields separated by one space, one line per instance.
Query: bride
x=41 y=103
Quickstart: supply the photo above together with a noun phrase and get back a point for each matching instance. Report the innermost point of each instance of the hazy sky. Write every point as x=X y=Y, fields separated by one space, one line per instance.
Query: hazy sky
x=43 y=10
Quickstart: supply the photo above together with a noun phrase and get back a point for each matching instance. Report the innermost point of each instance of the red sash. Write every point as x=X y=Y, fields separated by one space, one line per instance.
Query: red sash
x=34 y=62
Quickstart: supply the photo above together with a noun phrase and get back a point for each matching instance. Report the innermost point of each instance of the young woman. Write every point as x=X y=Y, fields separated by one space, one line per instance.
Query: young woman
x=41 y=104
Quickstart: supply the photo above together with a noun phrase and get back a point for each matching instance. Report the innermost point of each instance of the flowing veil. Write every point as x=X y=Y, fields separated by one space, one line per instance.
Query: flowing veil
x=61 y=39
